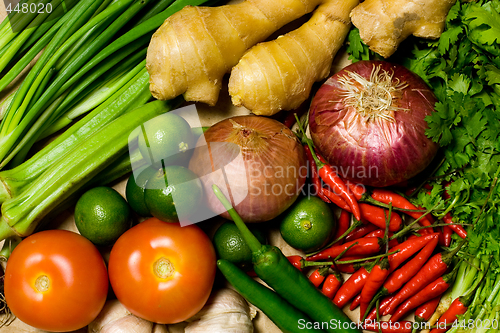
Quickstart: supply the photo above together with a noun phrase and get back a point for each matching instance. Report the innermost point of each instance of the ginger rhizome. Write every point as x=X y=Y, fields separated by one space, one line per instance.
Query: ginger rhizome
x=384 y=24
x=279 y=74
x=194 y=48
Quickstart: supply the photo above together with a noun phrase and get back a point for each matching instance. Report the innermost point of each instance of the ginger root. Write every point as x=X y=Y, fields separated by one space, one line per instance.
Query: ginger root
x=193 y=49
x=279 y=74
x=384 y=24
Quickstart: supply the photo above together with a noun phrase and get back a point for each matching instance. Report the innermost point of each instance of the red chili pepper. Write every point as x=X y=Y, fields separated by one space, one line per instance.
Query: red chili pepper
x=332 y=179
x=332 y=284
x=363 y=246
x=458 y=307
x=446 y=195
x=388 y=327
x=342 y=224
x=433 y=268
x=428 y=186
x=432 y=290
x=369 y=213
x=402 y=275
x=290 y=120
x=447 y=319
x=379 y=233
x=458 y=229
x=348 y=268
x=355 y=303
x=388 y=197
x=407 y=249
x=393 y=242
x=376 y=279
x=357 y=189
x=382 y=306
x=409 y=191
x=351 y=287
x=318 y=276
x=316 y=182
x=336 y=199
x=377 y=216
x=445 y=236
x=360 y=232
x=296 y=261
x=425 y=311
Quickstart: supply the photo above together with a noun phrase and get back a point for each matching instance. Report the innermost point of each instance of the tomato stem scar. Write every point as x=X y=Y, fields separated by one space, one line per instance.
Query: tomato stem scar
x=163 y=268
x=42 y=283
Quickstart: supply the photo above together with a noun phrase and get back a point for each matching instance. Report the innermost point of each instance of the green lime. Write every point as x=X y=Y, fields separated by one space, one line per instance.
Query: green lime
x=102 y=215
x=173 y=192
x=167 y=137
x=134 y=191
x=308 y=224
x=230 y=245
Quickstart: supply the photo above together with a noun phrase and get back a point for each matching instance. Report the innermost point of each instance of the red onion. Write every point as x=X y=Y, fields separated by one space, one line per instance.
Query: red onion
x=368 y=121
x=264 y=180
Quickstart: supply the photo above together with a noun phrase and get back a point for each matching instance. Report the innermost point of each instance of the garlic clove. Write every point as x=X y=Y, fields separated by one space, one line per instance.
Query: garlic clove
x=115 y=318
x=128 y=324
x=226 y=311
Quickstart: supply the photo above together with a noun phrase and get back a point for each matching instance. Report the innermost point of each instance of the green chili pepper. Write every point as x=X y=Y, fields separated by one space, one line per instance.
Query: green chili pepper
x=276 y=271
x=282 y=313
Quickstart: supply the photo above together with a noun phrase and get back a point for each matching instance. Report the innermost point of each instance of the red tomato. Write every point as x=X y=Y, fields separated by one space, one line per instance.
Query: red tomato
x=56 y=280
x=162 y=272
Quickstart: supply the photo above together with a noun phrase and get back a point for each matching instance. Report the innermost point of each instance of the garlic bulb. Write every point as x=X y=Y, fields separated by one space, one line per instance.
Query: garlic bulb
x=226 y=311
x=115 y=318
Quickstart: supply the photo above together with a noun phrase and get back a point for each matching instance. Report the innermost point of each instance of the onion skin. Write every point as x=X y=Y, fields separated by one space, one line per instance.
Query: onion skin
x=268 y=176
x=375 y=152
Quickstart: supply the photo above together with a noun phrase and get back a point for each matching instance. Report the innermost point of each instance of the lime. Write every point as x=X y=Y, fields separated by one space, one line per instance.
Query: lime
x=167 y=137
x=308 y=224
x=134 y=191
x=230 y=245
x=102 y=215
x=173 y=192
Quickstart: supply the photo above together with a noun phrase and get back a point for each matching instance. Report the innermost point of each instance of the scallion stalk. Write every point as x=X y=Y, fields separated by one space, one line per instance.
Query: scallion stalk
x=14 y=181
x=21 y=214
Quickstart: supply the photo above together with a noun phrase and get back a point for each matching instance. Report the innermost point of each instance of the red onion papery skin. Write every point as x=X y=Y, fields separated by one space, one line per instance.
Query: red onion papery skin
x=272 y=169
x=375 y=152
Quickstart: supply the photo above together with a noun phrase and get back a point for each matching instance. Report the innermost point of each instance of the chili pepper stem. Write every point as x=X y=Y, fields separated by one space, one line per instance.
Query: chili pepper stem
x=409 y=226
x=356 y=224
x=447 y=257
x=375 y=301
x=248 y=236
x=344 y=252
x=305 y=263
x=319 y=164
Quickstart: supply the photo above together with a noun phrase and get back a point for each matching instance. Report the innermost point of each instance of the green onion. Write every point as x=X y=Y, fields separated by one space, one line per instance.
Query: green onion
x=21 y=214
x=18 y=179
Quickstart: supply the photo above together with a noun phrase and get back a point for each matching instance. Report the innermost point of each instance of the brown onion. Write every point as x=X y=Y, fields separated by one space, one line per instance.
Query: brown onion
x=264 y=180
x=368 y=121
